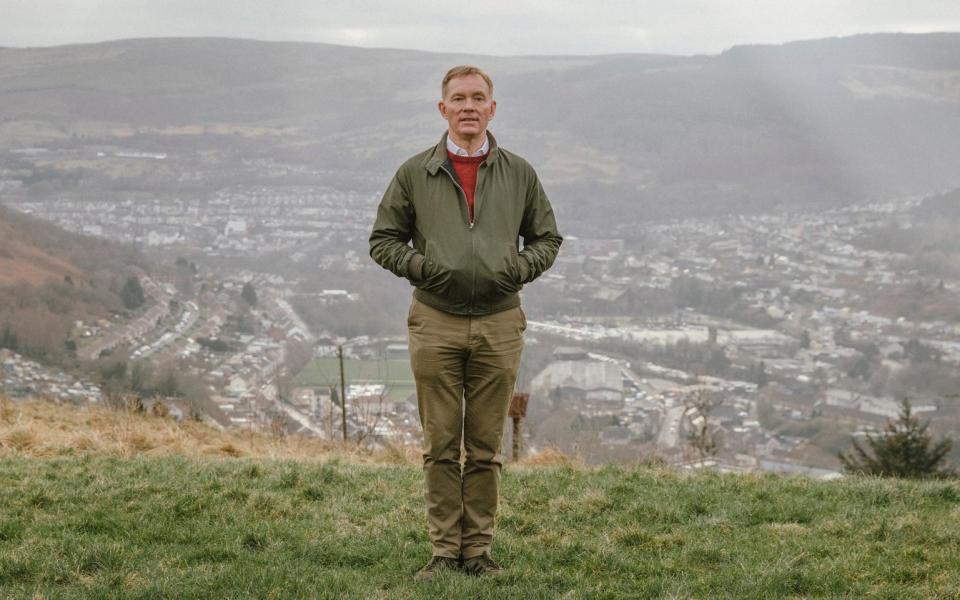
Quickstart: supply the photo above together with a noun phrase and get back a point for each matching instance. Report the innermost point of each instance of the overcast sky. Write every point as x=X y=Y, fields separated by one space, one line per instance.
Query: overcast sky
x=503 y=27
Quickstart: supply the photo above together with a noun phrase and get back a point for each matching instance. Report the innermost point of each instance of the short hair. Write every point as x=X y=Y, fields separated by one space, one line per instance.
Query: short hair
x=463 y=71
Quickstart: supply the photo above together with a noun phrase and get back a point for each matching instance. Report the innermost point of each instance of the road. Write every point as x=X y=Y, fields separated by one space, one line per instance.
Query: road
x=134 y=331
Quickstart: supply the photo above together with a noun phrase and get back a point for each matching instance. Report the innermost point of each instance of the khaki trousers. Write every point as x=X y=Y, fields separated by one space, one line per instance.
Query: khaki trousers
x=465 y=369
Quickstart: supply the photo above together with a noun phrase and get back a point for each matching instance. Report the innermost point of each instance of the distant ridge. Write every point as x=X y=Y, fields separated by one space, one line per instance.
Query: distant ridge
x=814 y=122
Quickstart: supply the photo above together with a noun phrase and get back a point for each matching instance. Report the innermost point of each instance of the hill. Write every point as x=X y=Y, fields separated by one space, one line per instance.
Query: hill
x=50 y=278
x=80 y=523
x=42 y=250
x=813 y=122
x=23 y=260
x=40 y=429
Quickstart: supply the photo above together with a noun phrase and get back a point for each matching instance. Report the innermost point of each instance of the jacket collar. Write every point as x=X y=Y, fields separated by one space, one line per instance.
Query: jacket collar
x=439 y=155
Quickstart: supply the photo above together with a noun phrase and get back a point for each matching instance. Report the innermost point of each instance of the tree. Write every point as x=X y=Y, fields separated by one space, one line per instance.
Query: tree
x=758 y=373
x=140 y=377
x=8 y=339
x=168 y=385
x=718 y=362
x=249 y=294
x=701 y=434
x=919 y=352
x=113 y=371
x=860 y=368
x=902 y=450
x=132 y=293
x=334 y=396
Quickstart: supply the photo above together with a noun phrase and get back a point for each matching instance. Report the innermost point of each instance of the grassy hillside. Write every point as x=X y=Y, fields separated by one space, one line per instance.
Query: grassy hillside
x=87 y=524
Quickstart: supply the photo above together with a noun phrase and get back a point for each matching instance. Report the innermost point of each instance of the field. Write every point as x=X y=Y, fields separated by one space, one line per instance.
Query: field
x=173 y=527
x=148 y=508
x=394 y=373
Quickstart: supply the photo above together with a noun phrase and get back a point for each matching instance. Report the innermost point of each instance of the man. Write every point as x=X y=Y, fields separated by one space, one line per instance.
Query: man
x=464 y=204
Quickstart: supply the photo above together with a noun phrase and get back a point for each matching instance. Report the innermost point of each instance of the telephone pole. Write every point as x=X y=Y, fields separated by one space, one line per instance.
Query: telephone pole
x=343 y=392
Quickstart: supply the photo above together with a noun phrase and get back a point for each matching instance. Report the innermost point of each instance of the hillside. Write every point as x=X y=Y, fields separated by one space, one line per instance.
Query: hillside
x=83 y=522
x=40 y=429
x=42 y=250
x=22 y=260
x=812 y=122
x=50 y=278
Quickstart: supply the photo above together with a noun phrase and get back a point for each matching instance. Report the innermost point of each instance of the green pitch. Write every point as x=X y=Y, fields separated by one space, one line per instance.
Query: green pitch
x=393 y=373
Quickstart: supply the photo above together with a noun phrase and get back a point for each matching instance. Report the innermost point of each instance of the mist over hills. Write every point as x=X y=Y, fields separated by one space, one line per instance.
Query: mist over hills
x=813 y=122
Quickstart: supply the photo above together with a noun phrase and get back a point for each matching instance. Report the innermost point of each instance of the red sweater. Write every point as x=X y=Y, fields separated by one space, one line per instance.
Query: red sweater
x=467 y=168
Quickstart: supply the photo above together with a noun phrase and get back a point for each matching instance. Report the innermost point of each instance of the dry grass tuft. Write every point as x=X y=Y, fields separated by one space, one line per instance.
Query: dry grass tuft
x=229 y=449
x=396 y=454
x=6 y=410
x=20 y=440
x=595 y=501
x=40 y=428
x=551 y=457
x=137 y=442
x=84 y=443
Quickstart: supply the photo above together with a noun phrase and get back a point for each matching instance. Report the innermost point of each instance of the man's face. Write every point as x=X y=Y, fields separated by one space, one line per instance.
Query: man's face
x=467 y=107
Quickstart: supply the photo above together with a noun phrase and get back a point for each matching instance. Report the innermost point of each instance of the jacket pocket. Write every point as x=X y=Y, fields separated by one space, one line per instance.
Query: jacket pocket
x=435 y=276
x=515 y=261
x=506 y=271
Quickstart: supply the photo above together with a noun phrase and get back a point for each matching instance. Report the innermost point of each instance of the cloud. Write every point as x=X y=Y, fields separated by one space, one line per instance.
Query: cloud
x=491 y=27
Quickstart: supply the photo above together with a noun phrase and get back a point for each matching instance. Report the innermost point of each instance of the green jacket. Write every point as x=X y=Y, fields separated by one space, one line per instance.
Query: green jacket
x=461 y=267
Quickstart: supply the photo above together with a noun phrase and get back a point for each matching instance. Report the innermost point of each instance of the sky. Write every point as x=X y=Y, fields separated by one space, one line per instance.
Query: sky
x=498 y=27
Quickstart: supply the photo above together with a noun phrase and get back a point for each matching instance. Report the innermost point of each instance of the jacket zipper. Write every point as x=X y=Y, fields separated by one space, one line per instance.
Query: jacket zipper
x=459 y=187
x=473 y=243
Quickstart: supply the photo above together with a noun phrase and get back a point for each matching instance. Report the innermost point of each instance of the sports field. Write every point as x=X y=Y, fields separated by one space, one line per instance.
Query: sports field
x=395 y=374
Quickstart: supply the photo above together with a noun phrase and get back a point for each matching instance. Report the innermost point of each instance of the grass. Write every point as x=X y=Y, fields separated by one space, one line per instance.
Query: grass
x=40 y=429
x=94 y=525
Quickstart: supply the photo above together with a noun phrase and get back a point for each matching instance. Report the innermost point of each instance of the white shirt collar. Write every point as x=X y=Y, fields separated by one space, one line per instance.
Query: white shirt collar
x=457 y=150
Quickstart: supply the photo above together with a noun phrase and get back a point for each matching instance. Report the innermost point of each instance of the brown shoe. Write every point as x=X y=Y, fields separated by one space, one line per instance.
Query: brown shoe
x=482 y=565
x=435 y=566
